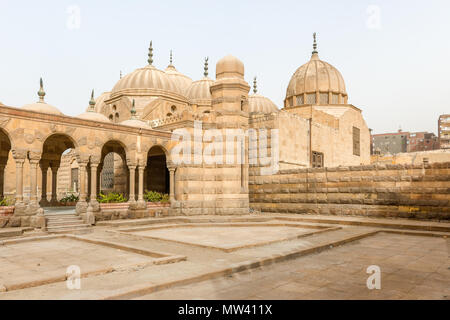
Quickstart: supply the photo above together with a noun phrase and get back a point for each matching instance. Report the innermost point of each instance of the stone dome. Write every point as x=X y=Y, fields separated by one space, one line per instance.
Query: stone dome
x=229 y=67
x=41 y=105
x=136 y=123
x=260 y=104
x=146 y=80
x=94 y=116
x=199 y=91
x=91 y=113
x=100 y=102
x=316 y=82
x=182 y=81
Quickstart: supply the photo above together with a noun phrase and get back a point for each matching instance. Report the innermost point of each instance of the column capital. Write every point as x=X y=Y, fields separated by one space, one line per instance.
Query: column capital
x=95 y=160
x=34 y=156
x=19 y=154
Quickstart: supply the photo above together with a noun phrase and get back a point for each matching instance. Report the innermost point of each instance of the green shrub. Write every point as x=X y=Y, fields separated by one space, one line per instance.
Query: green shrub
x=5 y=202
x=153 y=196
x=111 y=197
x=69 y=198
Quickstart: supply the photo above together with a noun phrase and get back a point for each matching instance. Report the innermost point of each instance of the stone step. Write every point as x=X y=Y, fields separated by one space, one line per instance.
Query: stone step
x=67 y=227
x=63 y=218
x=63 y=223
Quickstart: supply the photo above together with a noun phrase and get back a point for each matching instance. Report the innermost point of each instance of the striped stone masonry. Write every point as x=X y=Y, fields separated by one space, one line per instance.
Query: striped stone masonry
x=406 y=191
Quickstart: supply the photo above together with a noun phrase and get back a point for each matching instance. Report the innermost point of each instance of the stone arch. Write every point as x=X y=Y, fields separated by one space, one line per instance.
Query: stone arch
x=156 y=174
x=5 y=149
x=113 y=171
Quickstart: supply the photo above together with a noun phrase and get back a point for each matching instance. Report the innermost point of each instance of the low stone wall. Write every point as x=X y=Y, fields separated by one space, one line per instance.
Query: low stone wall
x=407 y=191
x=115 y=211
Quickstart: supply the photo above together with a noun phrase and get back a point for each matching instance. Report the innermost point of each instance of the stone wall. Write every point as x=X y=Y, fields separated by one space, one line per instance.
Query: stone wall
x=406 y=191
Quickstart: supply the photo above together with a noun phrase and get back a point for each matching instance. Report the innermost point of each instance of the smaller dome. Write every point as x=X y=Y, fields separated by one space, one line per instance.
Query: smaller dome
x=91 y=114
x=260 y=104
x=229 y=67
x=41 y=105
x=135 y=123
x=100 y=102
x=199 y=91
x=94 y=116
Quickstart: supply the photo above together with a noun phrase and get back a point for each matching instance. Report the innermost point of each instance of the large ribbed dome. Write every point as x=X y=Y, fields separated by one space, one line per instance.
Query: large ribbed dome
x=147 y=79
x=316 y=77
x=182 y=81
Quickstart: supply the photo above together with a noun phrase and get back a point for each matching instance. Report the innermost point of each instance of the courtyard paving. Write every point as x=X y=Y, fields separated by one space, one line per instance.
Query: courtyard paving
x=316 y=261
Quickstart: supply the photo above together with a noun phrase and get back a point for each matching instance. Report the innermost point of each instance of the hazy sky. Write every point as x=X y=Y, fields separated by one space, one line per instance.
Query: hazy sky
x=394 y=55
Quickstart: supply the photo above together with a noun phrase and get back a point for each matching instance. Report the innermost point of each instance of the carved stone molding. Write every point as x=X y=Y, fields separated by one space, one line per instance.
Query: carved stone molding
x=19 y=154
x=4 y=121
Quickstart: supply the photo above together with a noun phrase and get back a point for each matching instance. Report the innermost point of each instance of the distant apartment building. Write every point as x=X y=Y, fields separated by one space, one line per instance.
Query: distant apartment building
x=444 y=131
x=422 y=141
x=400 y=142
x=391 y=143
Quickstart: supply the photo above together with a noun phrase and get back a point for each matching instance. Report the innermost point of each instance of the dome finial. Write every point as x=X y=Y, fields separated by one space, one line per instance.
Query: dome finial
x=41 y=92
x=92 y=102
x=315 y=43
x=133 y=110
x=171 y=58
x=150 y=54
x=120 y=74
x=205 y=73
x=255 y=90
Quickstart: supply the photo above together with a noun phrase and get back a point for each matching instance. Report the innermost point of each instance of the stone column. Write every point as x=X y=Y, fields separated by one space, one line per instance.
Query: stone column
x=93 y=203
x=132 y=181
x=19 y=157
x=54 y=200
x=44 y=168
x=2 y=179
x=33 y=207
x=141 y=202
x=82 y=204
x=19 y=180
x=172 y=184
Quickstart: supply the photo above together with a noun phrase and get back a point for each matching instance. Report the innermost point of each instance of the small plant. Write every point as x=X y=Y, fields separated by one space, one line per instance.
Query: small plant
x=111 y=197
x=5 y=202
x=154 y=196
x=69 y=198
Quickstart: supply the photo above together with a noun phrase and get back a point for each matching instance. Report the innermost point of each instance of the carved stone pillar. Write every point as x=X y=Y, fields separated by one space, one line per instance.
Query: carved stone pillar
x=93 y=198
x=132 y=181
x=33 y=181
x=82 y=204
x=141 y=201
x=2 y=180
x=54 y=199
x=19 y=157
x=44 y=169
x=172 y=184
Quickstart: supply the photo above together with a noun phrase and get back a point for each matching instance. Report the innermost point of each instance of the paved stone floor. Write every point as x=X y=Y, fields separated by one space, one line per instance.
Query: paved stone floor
x=324 y=265
x=227 y=237
x=38 y=260
x=411 y=268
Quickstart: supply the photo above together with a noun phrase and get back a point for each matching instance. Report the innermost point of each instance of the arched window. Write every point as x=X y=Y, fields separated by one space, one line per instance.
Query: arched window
x=168 y=114
x=173 y=109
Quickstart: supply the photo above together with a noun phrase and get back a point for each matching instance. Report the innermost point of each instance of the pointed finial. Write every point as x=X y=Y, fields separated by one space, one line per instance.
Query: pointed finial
x=92 y=101
x=255 y=90
x=205 y=73
x=150 y=54
x=120 y=74
x=133 y=110
x=41 y=92
x=314 y=43
x=171 y=58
